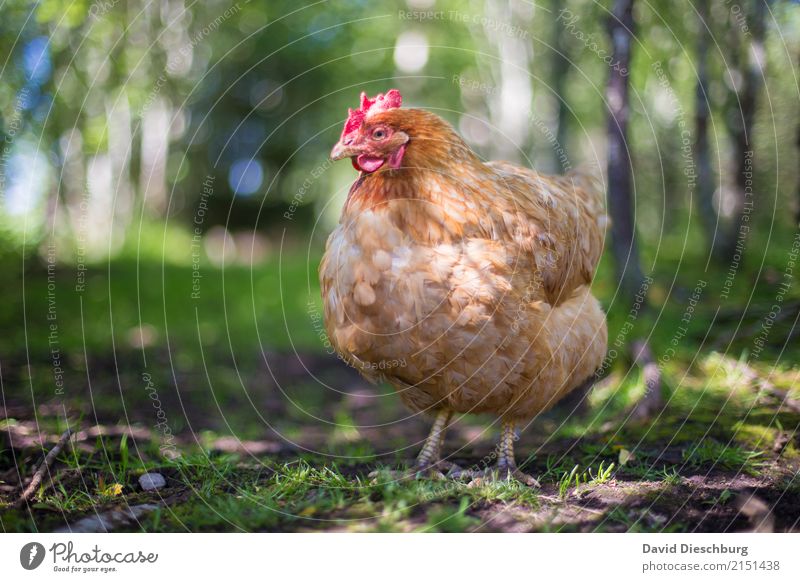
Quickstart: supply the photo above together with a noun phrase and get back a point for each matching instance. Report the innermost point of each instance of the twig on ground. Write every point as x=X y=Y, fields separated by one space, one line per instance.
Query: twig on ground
x=783 y=398
x=767 y=388
x=43 y=468
x=781 y=442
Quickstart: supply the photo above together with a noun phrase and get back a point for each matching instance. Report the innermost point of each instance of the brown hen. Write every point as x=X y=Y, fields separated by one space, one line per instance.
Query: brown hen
x=464 y=284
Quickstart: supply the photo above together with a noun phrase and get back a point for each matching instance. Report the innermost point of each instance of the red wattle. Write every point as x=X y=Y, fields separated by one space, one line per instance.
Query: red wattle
x=396 y=159
x=368 y=164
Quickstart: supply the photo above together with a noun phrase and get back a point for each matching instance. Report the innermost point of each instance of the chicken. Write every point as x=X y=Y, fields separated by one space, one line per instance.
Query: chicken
x=463 y=284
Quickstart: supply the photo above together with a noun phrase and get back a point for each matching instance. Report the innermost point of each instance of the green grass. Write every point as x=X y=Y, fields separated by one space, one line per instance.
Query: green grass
x=729 y=457
x=671 y=476
x=306 y=496
x=236 y=304
x=449 y=519
x=232 y=492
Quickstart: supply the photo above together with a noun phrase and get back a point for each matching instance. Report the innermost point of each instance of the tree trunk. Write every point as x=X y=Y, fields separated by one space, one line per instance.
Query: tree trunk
x=560 y=68
x=620 y=188
x=621 y=201
x=741 y=129
x=704 y=192
x=797 y=210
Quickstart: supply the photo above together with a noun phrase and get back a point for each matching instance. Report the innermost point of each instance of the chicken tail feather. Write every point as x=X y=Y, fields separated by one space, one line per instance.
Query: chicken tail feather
x=590 y=185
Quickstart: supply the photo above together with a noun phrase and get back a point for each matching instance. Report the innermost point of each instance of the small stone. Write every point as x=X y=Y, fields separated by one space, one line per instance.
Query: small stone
x=150 y=481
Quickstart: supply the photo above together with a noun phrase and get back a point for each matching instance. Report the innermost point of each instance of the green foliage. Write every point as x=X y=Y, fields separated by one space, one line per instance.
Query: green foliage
x=451 y=520
x=272 y=82
x=565 y=481
x=671 y=476
x=724 y=456
x=588 y=478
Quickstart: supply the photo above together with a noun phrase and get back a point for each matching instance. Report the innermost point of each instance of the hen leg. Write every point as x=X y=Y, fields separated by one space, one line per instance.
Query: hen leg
x=429 y=462
x=506 y=466
x=430 y=455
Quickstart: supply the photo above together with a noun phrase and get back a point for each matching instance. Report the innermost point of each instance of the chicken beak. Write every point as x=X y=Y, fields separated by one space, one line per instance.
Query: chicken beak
x=341 y=151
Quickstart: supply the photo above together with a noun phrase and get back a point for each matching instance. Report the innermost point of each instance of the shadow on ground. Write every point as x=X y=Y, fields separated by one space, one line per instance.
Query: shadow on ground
x=289 y=445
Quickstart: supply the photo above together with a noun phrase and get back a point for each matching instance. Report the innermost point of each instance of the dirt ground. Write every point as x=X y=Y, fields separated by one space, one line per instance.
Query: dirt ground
x=301 y=443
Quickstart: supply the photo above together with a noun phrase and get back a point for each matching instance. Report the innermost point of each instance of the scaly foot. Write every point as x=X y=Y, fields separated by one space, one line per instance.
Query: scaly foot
x=428 y=464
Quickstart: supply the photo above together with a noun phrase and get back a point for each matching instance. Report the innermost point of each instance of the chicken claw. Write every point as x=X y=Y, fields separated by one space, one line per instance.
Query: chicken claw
x=506 y=467
x=429 y=463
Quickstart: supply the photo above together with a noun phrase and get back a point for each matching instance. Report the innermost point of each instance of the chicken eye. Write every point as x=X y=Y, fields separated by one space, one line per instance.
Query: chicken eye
x=379 y=134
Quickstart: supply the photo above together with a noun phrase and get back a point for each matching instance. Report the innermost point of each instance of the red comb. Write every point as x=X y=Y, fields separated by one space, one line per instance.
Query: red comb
x=355 y=117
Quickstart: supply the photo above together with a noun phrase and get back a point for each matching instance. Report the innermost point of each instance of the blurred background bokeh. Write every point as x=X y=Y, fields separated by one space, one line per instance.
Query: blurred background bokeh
x=126 y=107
